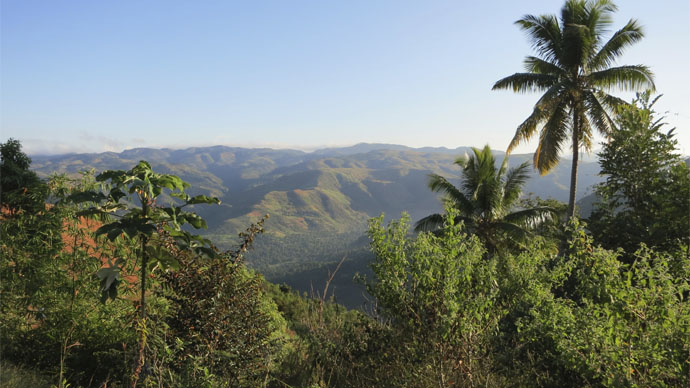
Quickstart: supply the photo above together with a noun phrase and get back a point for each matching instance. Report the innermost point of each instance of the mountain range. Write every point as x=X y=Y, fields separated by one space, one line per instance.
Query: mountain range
x=319 y=202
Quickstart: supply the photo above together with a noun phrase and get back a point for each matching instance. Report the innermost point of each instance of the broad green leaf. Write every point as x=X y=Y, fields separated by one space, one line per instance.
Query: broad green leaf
x=181 y=195
x=110 y=278
x=116 y=194
x=86 y=196
x=112 y=230
x=113 y=175
x=202 y=199
x=89 y=212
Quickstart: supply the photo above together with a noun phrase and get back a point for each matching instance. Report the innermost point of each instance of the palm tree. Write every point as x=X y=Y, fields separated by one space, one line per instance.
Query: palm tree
x=486 y=199
x=572 y=68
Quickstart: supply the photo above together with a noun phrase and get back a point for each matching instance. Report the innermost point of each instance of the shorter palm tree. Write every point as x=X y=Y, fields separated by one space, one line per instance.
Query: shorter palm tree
x=487 y=200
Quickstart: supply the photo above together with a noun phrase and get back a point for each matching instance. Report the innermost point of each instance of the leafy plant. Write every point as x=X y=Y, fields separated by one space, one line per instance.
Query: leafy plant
x=572 y=68
x=20 y=188
x=441 y=293
x=226 y=330
x=131 y=203
x=601 y=323
x=50 y=320
x=486 y=201
x=646 y=195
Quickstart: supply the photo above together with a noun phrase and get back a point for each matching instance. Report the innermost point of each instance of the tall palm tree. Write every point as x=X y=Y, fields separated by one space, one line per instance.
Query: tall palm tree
x=487 y=199
x=573 y=69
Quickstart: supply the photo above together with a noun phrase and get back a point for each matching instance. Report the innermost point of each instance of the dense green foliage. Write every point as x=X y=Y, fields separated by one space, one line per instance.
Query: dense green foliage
x=441 y=294
x=58 y=265
x=487 y=200
x=573 y=69
x=102 y=284
x=20 y=187
x=540 y=317
x=646 y=195
x=51 y=316
x=592 y=321
x=212 y=344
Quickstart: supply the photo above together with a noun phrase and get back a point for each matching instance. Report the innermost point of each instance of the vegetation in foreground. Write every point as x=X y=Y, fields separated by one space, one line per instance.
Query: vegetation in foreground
x=103 y=286
x=573 y=68
x=452 y=308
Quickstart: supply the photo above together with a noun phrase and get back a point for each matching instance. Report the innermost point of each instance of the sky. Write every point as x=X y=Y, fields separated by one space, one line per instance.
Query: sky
x=94 y=76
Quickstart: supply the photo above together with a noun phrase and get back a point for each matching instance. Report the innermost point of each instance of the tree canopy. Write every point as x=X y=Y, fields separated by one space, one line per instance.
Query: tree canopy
x=486 y=200
x=19 y=186
x=572 y=68
x=646 y=195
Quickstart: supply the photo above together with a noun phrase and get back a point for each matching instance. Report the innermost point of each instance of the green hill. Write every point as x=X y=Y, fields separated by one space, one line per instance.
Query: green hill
x=318 y=202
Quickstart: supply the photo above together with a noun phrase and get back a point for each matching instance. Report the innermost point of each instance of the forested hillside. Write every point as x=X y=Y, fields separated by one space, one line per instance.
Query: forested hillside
x=308 y=192
x=375 y=265
x=318 y=202
x=137 y=298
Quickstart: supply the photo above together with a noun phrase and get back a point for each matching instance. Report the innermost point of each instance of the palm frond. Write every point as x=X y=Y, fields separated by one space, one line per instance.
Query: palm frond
x=598 y=115
x=551 y=138
x=610 y=102
x=429 y=223
x=577 y=36
x=532 y=217
x=479 y=175
x=585 y=128
x=461 y=161
x=472 y=174
x=439 y=184
x=526 y=82
x=634 y=77
x=543 y=109
x=482 y=182
x=490 y=199
x=606 y=5
x=504 y=167
x=621 y=39
x=513 y=230
x=435 y=222
x=539 y=66
x=545 y=34
x=526 y=129
x=598 y=17
x=514 y=180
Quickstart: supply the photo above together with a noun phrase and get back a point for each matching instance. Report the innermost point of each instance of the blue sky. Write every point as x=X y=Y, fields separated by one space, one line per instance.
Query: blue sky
x=91 y=76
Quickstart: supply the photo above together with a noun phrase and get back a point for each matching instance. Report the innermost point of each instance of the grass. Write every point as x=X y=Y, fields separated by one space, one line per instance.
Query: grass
x=13 y=376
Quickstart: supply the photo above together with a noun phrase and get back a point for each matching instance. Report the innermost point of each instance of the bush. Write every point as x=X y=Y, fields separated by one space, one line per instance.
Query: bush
x=222 y=328
x=441 y=296
x=604 y=323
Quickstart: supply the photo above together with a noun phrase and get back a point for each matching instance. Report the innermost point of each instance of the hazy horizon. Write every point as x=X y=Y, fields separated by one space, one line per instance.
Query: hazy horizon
x=584 y=156
x=84 y=76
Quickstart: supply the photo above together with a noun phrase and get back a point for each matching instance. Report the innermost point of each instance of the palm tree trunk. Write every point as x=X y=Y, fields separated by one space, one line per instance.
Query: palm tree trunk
x=573 y=171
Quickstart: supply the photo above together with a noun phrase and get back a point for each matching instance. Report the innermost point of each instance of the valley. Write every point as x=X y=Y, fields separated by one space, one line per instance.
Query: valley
x=318 y=202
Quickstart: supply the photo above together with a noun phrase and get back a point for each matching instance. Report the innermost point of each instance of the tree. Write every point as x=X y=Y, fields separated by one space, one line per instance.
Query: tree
x=226 y=330
x=442 y=298
x=487 y=199
x=585 y=319
x=48 y=269
x=572 y=68
x=646 y=195
x=133 y=212
x=20 y=188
